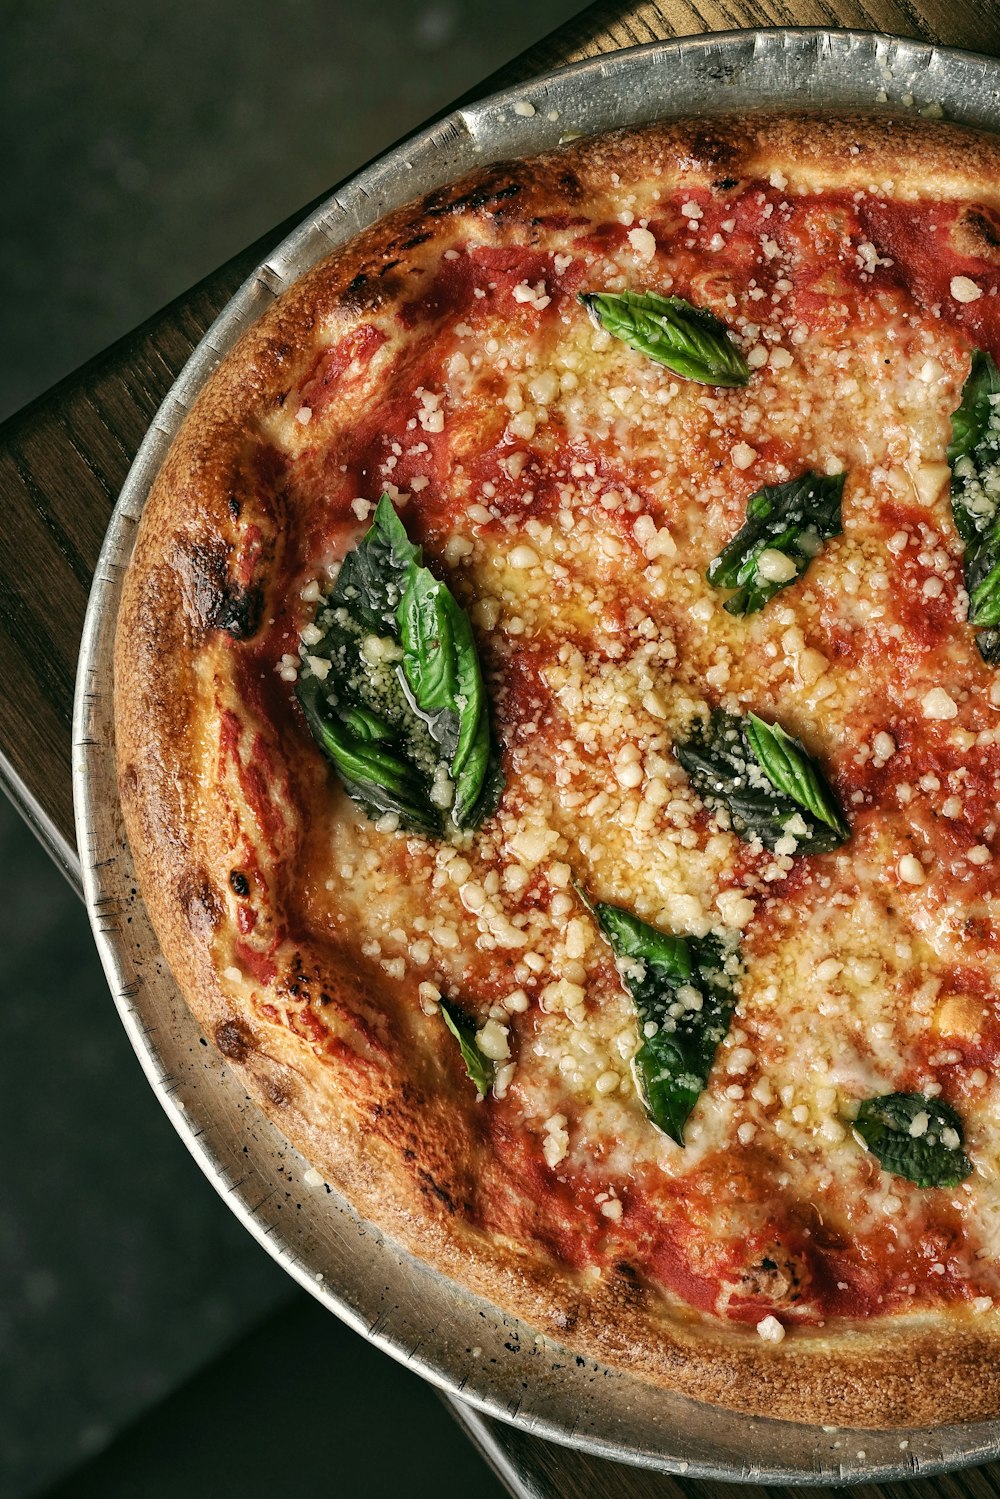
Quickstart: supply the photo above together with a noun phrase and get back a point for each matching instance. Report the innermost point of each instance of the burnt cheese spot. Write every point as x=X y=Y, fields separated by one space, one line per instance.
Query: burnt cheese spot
x=238 y=883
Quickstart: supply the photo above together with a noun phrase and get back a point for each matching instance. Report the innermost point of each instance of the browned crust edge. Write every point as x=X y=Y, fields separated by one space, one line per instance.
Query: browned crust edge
x=916 y=1371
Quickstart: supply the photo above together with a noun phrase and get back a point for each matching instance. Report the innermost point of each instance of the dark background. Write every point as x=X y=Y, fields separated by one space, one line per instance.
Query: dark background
x=147 y=1344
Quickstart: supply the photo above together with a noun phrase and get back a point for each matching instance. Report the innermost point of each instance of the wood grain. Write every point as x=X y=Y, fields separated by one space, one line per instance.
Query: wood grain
x=64 y=459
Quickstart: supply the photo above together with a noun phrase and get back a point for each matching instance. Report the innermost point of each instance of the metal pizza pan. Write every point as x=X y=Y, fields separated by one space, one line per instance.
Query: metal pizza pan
x=453 y=1338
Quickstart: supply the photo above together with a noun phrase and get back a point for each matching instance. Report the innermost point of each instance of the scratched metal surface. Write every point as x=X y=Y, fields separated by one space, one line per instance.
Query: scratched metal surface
x=458 y=1341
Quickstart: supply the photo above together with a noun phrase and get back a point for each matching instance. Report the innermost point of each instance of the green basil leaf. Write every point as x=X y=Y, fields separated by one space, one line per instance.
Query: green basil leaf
x=685 y=993
x=479 y=1068
x=402 y=711
x=379 y=779
x=916 y=1137
x=974 y=456
x=788 y=767
x=689 y=340
x=988 y=642
x=442 y=671
x=765 y=780
x=794 y=519
x=374 y=575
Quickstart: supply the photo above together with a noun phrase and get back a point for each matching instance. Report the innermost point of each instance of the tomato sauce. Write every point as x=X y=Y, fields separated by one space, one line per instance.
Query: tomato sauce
x=857 y=262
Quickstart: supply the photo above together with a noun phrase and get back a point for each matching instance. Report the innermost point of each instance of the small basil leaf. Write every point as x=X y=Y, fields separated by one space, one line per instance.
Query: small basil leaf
x=632 y=938
x=479 y=1068
x=974 y=456
x=727 y=772
x=373 y=576
x=401 y=711
x=988 y=642
x=493 y=783
x=916 y=1137
x=792 y=519
x=689 y=340
x=442 y=671
x=377 y=778
x=788 y=767
x=684 y=993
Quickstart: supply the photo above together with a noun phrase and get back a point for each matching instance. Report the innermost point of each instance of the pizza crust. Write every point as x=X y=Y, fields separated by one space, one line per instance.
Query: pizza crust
x=383 y=1132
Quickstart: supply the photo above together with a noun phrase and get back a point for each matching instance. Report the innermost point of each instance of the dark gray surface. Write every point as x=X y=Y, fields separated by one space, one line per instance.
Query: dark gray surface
x=120 y=1271
x=142 y=146
x=301 y=1408
x=145 y=144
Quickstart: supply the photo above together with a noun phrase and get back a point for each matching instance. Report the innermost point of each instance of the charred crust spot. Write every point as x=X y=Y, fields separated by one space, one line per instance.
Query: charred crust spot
x=976 y=233
x=200 y=904
x=630 y=1288
x=239 y=611
x=275 y=1092
x=233 y=1040
x=238 y=883
x=234 y=507
x=477 y=199
x=390 y=265
x=414 y=241
x=221 y=604
x=569 y=185
x=364 y=293
x=725 y=184
x=985 y=225
x=429 y=1185
x=709 y=149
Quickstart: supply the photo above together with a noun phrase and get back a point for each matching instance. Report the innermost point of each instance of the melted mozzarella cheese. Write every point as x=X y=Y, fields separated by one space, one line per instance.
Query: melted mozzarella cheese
x=603 y=641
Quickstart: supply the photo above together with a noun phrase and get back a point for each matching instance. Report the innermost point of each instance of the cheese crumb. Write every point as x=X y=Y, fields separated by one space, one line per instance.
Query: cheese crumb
x=910 y=869
x=963 y=289
x=770 y=1330
x=774 y=567
x=612 y=1209
x=743 y=455
x=938 y=704
x=492 y=1041
x=429 y=996
x=735 y=909
x=642 y=243
x=555 y=1145
x=524 y=108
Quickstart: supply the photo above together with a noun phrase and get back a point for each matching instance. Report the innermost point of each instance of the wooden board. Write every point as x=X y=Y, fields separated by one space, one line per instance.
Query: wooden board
x=64 y=459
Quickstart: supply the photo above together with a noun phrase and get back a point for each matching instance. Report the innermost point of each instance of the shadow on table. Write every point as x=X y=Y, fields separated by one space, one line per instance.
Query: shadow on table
x=300 y=1407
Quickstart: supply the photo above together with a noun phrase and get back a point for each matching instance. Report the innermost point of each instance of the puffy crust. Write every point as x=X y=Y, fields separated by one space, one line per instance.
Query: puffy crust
x=377 y=1121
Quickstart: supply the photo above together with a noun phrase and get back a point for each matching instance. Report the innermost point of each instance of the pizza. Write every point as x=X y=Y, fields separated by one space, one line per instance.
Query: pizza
x=558 y=727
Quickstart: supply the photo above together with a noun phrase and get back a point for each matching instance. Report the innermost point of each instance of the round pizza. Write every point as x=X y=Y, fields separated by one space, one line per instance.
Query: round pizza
x=558 y=725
